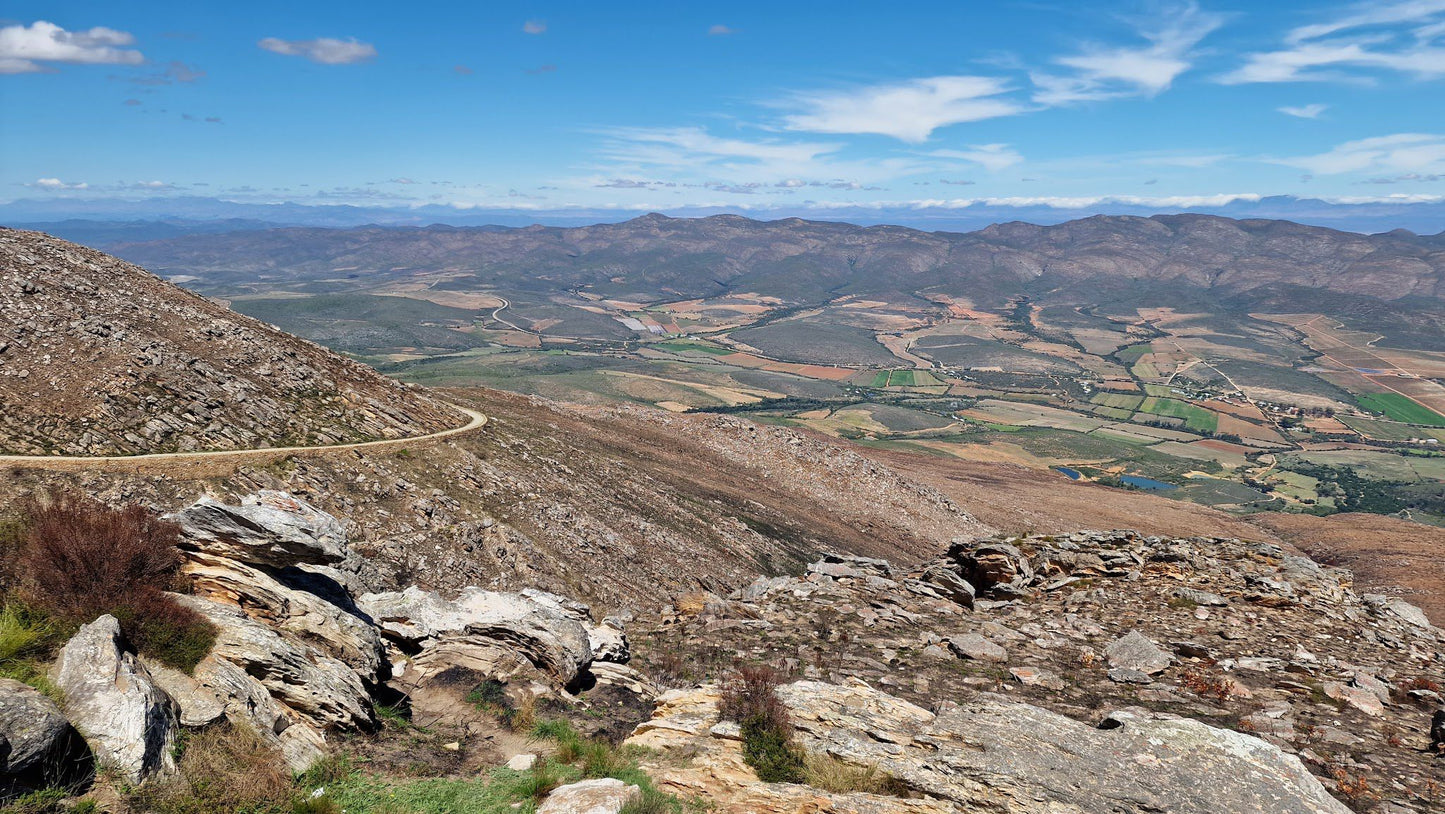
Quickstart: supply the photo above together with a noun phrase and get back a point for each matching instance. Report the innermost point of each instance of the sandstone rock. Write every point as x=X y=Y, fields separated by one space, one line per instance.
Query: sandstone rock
x=1134 y=651
x=948 y=584
x=197 y=705
x=111 y=699
x=988 y=565
x=609 y=642
x=482 y=630
x=601 y=796
x=35 y=738
x=269 y=528
x=1361 y=699
x=521 y=763
x=996 y=755
x=319 y=689
x=976 y=647
x=337 y=631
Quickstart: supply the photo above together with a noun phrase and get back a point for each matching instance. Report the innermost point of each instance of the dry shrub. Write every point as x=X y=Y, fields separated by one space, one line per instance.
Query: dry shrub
x=80 y=559
x=225 y=768
x=750 y=700
x=1206 y=684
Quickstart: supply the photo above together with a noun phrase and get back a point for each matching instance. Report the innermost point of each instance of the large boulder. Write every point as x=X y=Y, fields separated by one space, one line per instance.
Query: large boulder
x=488 y=632
x=37 y=743
x=1134 y=651
x=269 y=528
x=318 y=689
x=110 y=697
x=337 y=631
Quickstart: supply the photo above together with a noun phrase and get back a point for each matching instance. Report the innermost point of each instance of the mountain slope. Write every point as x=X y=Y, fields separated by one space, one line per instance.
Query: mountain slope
x=99 y=357
x=807 y=261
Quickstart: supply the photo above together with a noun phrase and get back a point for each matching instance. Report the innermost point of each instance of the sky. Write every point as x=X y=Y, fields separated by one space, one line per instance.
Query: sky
x=745 y=106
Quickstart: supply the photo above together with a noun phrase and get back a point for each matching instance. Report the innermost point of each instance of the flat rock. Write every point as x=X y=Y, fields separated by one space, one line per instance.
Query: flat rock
x=601 y=796
x=1134 y=651
x=975 y=646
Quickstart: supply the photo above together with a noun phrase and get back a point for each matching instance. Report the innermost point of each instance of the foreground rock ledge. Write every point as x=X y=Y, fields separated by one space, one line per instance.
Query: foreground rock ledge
x=989 y=755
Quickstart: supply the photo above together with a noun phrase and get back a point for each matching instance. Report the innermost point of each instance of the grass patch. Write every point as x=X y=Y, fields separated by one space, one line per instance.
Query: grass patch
x=832 y=775
x=226 y=768
x=1400 y=408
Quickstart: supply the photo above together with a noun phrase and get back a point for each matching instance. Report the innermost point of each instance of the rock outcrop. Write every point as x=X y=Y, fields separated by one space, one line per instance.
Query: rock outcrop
x=484 y=631
x=110 y=697
x=269 y=528
x=1225 y=634
x=989 y=754
x=601 y=796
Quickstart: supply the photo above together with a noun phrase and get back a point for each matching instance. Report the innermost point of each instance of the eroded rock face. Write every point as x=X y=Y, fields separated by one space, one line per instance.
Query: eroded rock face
x=989 y=755
x=36 y=740
x=110 y=697
x=484 y=631
x=322 y=691
x=330 y=628
x=269 y=528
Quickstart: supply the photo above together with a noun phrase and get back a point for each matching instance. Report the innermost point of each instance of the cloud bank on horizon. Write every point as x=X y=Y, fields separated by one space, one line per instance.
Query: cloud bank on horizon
x=652 y=107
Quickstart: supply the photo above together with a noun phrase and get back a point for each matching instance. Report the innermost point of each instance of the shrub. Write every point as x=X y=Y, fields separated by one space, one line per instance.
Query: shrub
x=538 y=782
x=171 y=633
x=225 y=768
x=23 y=634
x=80 y=559
x=751 y=700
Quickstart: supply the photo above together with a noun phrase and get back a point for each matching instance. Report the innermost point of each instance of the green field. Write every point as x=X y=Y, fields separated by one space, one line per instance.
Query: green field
x=880 y=379
x=1121 y=401
x=1195 y=418
x=1113 y=412
x=684 y=346
x=1400 y=408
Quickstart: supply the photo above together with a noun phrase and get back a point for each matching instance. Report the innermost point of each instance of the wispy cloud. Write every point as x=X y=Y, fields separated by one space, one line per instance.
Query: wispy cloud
x=909 y=111
x=534 y=27
x=462 y=70
x=324 y=50
x=1111 y=72
x=992 y=157
x=1421 y=153
x=1304 y=111
x=57 y=184
x=27 y=49
x=1402 y=36
x=720 y=31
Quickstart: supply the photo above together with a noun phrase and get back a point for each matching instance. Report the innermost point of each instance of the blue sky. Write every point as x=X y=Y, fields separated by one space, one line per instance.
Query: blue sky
x=747 y=106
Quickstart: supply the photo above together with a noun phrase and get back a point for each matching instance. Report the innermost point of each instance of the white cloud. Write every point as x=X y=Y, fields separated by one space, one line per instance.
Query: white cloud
x=56 y=183
x=909 y=111
x=25 y=49
x=720 y=31
x=534 y=27
x=1402 y=152
x=1109 y=72
x=690 y=156
x=325 y=50
x=1304 y=111
x=992 y=157
x=1403 y=36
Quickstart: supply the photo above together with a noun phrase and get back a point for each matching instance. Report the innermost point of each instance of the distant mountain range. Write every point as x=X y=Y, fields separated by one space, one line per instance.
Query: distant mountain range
x=1394 y=282
x=161 y=217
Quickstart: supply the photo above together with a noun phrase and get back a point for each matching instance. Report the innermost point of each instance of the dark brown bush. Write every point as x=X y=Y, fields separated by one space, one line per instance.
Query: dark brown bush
x=750 y=694
x=750 y=700
x=81 y=558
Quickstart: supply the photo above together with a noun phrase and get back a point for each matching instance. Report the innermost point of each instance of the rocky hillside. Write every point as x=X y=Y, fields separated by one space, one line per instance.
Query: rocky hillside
x=801 y=260
x=1081 y=672
x=614 y=505
x=99 y=357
